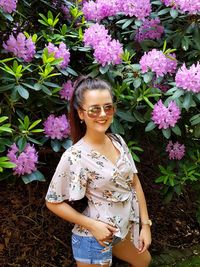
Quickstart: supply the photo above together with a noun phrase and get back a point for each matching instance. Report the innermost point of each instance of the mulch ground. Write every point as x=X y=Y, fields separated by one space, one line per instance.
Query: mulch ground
x=30 y=235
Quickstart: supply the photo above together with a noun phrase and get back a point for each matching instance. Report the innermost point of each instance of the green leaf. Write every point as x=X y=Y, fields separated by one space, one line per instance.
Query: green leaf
x=148 y=77
x=137 y=83
x=176 y=130
x=195 y=119
x=117 y=127
x=166 y=133
x=71 y=71
x=21 y=143
x=139 y=117
x=187 y=101
x=34 y=176
x=67 y=143
x=125 y=115
x=22 y=91
x=174 y=13
x=3 y=118
x=34 y=124
x=103 y=70
x=46 y=90
x=56 y=145
x=150 y=126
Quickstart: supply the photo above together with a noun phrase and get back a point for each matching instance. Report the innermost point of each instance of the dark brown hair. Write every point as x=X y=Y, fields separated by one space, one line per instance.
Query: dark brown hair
x=81 y=85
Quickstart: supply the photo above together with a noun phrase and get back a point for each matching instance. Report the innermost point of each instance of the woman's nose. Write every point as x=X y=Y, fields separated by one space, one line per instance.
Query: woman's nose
x=102 y=112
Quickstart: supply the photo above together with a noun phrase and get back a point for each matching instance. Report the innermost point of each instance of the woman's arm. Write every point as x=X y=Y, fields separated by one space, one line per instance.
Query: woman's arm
x=145 y=234
x=101 y=231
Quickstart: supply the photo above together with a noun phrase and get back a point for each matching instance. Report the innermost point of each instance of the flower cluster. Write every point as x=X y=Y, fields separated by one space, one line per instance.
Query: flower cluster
x=25 y=161
x=190 y=6
x=158 y=62
x=176 y=150
x=60 y=52
x=20 y=46
x=56 y=127
x=150 y=29
x=189 y=79
x=8 y=5
x=106 y=51
x=67 y=90
x=101 y=9
x=165 y=117
x=139 y=8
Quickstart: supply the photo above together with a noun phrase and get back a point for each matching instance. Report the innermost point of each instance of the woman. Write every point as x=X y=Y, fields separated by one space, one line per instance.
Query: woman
x=99 y=166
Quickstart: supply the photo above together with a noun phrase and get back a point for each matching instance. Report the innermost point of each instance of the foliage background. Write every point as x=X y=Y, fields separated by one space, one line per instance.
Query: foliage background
x=29 y=92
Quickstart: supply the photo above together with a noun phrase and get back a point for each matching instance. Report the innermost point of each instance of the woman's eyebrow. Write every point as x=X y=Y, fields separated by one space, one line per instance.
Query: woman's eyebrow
x=97 y=105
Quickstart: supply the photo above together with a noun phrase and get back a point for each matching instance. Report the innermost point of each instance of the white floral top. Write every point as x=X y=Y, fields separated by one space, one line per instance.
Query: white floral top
x=107 y=186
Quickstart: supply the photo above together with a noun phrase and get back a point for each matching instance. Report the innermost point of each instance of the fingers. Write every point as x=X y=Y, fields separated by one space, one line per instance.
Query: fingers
x=112 y=228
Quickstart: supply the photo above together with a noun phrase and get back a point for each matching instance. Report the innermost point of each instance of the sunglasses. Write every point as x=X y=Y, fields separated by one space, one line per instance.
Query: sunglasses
x=95 y=111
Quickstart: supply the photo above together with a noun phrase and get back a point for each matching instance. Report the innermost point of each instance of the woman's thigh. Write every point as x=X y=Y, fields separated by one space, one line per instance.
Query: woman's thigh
x=80 y=264
x=126 y=251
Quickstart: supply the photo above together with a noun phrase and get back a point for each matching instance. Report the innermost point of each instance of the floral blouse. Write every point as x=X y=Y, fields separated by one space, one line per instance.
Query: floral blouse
x=82 y=171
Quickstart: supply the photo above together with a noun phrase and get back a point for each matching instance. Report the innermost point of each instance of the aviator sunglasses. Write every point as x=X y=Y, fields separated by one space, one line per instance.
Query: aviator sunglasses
x=95 y=111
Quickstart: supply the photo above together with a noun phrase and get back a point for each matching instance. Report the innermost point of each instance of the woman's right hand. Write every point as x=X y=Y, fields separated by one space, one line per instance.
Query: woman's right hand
x=103 y=232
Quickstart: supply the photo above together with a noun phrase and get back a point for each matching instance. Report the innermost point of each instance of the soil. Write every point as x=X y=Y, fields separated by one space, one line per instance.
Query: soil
x=30 y=235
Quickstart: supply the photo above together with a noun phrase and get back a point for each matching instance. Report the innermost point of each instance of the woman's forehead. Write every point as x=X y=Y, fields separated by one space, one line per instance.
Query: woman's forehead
x=97 y=97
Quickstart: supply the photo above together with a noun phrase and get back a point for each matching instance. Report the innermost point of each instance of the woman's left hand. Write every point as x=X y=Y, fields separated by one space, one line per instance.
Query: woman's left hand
x=144 y=238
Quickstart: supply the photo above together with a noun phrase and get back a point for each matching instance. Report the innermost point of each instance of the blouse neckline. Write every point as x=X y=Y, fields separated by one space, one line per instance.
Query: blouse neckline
x=115 y=144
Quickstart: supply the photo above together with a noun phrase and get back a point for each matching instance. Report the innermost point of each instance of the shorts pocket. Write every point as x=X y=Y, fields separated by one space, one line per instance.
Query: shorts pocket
x=76 y=241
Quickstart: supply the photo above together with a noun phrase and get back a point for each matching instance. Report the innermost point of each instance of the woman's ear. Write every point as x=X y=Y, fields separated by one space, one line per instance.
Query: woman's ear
x=80 y=113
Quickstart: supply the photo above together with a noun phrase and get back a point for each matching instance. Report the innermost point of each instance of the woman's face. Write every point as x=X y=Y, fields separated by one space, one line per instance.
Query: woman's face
x=97 y=110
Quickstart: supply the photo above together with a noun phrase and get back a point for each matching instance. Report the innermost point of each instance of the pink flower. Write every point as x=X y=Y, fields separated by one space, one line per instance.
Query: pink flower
x=60 y=52
x=8 y=5
x=95 y=34
x=21 y=47
x=106 y=51
x=56 y=127
x=189 y=79
x=165 y=117
x=190 y=6
x=26 y=161
x=158 y=62
x=137 y=8
x=67 y=90
x=176 y=150
x=150 y=29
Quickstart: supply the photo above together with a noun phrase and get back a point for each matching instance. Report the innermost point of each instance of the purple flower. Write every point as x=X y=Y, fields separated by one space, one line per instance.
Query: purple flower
x=158 y=62
x=67 y=90
x=165 y=117
x=150 y=29
x=56 y=127
x=100 y=9
x=137 y=8
x=189 y=79
x=95 y=34
x=8 y=5
x=176 y=150
x=191 y=6
x=60 y=52
x=26 y=161
x=21 y=46
x=106 y=51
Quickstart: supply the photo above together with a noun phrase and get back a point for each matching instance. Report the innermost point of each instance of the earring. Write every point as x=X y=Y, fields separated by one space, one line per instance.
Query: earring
x=82 y=121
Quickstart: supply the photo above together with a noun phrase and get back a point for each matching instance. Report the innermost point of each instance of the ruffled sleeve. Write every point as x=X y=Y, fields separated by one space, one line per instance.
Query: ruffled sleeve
x=128 y=154
x=69 y=180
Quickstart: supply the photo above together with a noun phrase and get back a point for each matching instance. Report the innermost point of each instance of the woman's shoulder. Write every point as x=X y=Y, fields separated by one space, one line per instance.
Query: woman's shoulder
x=117 y=137
x=74 y=149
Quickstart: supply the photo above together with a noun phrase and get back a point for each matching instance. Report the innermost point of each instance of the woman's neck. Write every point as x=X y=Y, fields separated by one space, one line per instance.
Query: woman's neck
x=96 y=139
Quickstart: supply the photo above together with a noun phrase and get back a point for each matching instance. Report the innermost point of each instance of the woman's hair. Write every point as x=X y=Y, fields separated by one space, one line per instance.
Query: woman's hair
x=81 y=85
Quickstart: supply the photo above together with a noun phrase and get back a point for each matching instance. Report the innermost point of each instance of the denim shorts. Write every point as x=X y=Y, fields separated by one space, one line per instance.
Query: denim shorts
x=86 y=249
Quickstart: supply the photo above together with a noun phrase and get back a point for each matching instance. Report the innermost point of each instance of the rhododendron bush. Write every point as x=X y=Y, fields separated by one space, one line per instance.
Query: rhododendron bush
x=148 y=50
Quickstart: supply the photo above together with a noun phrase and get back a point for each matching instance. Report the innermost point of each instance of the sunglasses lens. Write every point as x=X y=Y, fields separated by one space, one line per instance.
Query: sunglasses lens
x=94 y=112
